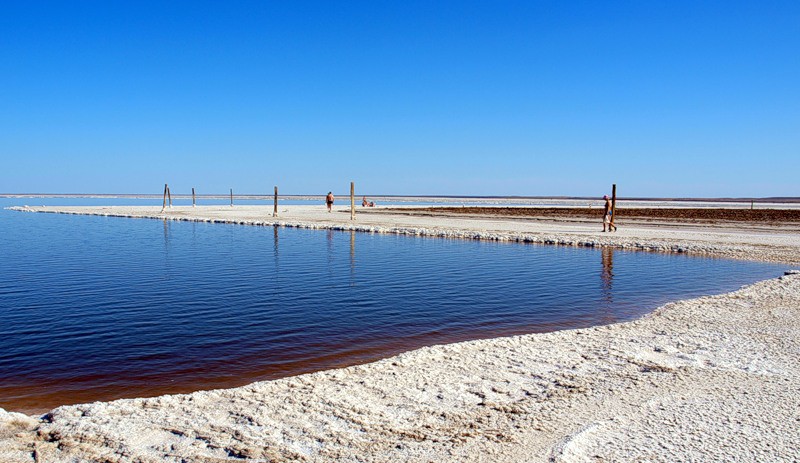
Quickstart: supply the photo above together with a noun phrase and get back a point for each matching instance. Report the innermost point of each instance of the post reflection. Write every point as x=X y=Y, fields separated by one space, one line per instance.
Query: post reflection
x=352 y=258
x=275 y=243
x=167 y=261
x=166 y=234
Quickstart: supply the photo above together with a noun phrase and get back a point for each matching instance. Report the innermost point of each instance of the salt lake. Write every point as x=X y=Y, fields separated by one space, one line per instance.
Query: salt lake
x=97 y=308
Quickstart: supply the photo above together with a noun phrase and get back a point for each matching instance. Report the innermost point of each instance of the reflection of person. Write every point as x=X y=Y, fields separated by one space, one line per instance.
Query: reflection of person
x=607 y=278
x=608 y=215
x=365 y=203
x=607 y=258
x=329 y=200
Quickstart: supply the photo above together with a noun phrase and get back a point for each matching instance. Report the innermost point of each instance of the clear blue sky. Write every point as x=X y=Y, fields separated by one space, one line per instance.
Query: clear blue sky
x=664 y=98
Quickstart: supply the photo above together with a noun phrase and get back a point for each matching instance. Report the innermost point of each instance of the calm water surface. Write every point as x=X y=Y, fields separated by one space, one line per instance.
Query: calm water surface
x=96 y=308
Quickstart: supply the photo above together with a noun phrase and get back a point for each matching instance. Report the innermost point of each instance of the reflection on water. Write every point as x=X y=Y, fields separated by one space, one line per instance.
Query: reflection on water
x=166 y=234
x=217 y=306
x=275 y=241
x=607 y=278
x=607 y=275
x=352 y=258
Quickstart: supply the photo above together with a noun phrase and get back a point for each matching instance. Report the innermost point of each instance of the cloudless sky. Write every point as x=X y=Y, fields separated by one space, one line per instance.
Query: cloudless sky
x=663 y=98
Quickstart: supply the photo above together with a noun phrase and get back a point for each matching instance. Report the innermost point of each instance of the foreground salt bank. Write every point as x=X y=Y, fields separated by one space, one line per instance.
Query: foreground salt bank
x=711 y=379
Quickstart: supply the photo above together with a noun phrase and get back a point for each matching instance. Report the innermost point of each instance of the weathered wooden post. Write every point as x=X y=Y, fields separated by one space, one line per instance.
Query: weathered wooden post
x=275 y=209
x=193 y=200
x=164 y=206
x=352 y=201
x=169 y=195
x=231 y=197
x=613 y=204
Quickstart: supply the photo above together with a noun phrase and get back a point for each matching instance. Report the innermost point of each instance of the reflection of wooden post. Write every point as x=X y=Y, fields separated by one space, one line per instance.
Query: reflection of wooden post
x=613 y=204
x=352 y=257
x=352 y=201
x=275 y=210
x=164 y=206
x=231 y=197
x=193 y=201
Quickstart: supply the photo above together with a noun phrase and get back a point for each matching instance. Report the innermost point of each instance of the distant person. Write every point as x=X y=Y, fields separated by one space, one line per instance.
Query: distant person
x=329 y=200
x=365 y=203
x=608 y=218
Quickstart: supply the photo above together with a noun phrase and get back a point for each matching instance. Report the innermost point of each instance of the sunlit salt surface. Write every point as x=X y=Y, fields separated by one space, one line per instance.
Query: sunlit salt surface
x=96 y=308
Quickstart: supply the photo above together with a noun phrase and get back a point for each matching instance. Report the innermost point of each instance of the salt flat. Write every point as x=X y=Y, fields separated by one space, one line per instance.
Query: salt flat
x=707 y=379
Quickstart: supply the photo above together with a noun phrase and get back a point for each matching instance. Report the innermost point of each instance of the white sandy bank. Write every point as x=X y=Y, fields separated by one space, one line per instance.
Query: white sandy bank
x=708 y=379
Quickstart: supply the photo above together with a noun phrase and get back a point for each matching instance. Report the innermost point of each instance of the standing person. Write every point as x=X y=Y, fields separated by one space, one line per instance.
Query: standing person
x=329 y=201
x=608 y=215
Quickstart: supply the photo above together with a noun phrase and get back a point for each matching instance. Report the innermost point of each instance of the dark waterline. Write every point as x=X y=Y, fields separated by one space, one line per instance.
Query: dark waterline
x=96 y=308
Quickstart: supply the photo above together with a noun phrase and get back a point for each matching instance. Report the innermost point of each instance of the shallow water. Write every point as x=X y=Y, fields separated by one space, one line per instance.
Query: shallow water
x=96 y=308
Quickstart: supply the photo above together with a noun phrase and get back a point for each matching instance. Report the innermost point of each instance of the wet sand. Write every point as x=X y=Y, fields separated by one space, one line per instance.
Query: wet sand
x=707 y=379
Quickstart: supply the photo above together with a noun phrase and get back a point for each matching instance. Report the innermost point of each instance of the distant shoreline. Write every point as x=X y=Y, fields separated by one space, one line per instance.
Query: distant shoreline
x=449 y=198
x=412 y=198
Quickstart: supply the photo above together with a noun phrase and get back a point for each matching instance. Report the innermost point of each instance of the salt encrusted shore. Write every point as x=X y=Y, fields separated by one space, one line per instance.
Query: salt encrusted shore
x=708 y=379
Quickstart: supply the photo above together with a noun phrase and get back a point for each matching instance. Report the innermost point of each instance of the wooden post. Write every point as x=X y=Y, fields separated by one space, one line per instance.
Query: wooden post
x=352 y=201
x=164 y=206
x=193 y=200
x=169 y=195
x=231 y=197
x=613 y=205
x=275 y=210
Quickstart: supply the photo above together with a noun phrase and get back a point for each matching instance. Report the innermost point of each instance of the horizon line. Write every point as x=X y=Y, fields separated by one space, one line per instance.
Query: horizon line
x=521 y=197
